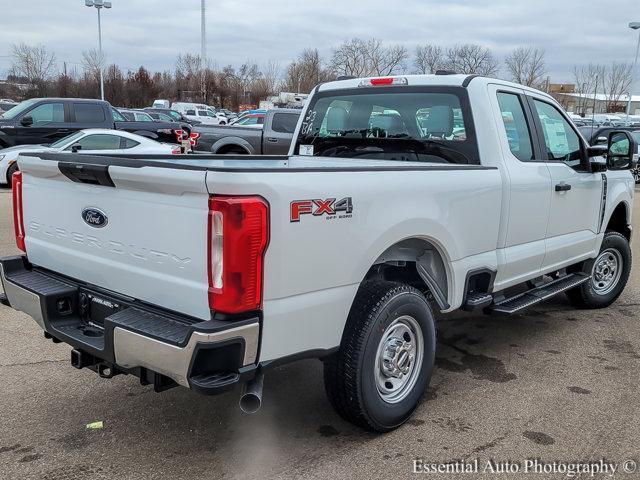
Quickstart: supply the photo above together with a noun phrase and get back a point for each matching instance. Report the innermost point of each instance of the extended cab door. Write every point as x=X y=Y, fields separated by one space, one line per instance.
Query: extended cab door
x=527 y=185
x=278 y=134
x=576 y=193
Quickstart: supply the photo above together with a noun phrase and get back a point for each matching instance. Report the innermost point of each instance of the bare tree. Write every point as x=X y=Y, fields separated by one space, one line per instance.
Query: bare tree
x=471 y=58
x=33 y=63
x=305 y=72
x=92 y=62
x=429 y=58
x=617 y=82
x=361 y=58
x=587 y=79
x=526 y=66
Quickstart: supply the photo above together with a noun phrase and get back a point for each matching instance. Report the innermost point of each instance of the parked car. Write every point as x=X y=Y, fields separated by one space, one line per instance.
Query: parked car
x=211 y=272
x=199 y=112
x=89 y=141
x=161 y=104
x=251 y=120
x=6 y=105
x=42 y=121
x=242 y=115
x=273 y=138
x=175 y=115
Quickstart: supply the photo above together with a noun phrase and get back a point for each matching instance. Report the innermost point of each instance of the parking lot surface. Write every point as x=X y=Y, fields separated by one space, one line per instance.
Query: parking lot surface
x=555 y=384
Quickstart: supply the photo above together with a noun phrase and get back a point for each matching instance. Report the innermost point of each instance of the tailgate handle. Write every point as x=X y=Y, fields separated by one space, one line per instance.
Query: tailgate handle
x=86 y=173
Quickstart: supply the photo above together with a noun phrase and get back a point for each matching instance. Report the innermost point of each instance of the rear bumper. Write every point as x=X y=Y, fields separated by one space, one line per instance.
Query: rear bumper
x=158 y=346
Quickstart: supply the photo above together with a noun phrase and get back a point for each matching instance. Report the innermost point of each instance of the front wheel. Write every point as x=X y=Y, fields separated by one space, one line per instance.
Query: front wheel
x=635 y=171
x=13 y=168
x=386 y=357
x=609 y=274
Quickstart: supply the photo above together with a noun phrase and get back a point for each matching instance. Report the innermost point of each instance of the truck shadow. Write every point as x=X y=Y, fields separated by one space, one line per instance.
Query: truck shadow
x=296 y=413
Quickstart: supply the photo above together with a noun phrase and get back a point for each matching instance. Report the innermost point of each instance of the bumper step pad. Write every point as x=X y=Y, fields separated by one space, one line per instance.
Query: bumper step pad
x=151 y=325
x=515 y=304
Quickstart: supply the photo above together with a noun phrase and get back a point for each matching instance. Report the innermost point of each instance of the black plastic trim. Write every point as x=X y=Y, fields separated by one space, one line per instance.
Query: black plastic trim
x=468 y=79
x=318 y=353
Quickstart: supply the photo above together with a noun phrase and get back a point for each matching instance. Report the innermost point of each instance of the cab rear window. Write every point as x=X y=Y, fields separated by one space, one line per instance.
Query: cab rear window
x=426 y=124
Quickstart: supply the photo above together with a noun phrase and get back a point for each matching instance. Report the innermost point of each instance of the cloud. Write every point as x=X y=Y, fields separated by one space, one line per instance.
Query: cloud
x=154 y=32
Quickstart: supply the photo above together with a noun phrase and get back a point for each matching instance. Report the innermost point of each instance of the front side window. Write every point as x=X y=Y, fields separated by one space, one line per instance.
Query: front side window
x=47 y=113
x=98 y=142
x=561 y=141
x=425 y=124
x=515 y=125
x=142 y=117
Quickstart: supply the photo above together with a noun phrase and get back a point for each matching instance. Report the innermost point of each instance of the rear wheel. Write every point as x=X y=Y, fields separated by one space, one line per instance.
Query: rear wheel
x=609 y=273
x=386 y=357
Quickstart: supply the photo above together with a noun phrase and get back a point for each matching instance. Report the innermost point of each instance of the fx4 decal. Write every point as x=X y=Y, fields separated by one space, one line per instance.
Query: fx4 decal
x=330 y=208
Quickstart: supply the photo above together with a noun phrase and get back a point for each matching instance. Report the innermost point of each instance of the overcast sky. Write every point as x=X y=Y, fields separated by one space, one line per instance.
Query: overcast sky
x=153 y=32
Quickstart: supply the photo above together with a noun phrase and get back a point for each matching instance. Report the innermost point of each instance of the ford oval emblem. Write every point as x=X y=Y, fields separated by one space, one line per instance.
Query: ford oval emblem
x=94 y=217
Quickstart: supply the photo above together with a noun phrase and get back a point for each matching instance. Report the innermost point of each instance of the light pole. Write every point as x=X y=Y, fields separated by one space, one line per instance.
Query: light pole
x=99 y=4
x=633 y=26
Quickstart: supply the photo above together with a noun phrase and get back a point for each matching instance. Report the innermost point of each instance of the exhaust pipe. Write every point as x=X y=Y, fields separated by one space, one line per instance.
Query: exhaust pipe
x=251 y=397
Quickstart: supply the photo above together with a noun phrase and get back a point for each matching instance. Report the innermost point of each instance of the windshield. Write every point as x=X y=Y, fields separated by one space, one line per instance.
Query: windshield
x=19 y=109
x=391 y=123
x=66 y=140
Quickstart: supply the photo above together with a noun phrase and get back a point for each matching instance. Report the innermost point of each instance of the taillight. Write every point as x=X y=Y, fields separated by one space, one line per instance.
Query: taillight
x=238 y=238
x=178 y=135
x=193 y=139
x=176 y=151
x=18 y=217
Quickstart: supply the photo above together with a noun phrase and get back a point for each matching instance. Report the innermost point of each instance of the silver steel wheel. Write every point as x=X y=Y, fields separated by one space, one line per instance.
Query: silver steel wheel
x=606 y=271
x=399 y=359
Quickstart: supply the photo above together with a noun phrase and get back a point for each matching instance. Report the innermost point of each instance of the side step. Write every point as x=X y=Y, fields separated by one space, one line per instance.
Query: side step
x=519 y=302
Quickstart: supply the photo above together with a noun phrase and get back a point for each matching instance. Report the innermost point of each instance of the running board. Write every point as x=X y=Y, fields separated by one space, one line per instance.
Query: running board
x=519 y=302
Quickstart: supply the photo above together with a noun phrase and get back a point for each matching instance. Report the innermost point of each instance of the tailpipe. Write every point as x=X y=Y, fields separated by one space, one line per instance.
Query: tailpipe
x=251 y=397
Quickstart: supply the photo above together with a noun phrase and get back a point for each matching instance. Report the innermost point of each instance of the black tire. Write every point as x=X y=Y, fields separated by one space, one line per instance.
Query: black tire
x=587 y=295
x=10 y=171
x=635 y=171
x=350 y=374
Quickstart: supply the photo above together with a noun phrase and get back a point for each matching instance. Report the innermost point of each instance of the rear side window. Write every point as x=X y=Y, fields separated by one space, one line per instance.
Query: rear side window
x=191 y=112
x=47 y=113
x=87 y=113
x=128 y=143
x=561 y=141
x=515 y=125
x=284 y=122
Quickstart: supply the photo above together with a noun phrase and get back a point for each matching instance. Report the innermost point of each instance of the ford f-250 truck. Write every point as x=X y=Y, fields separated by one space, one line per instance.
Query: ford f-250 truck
x=399 y=195
x=272 y=138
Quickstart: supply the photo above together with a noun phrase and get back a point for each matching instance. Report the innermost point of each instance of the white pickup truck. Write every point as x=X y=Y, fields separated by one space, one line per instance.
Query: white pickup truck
x=399 y=195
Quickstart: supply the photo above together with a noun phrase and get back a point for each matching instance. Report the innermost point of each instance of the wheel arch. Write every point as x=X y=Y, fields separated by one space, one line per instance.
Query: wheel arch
x=620 y=219
x=222 y=145
x=417 y=261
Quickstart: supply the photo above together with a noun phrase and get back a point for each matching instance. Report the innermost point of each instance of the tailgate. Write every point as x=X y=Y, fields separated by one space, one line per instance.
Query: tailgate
x=144 y=237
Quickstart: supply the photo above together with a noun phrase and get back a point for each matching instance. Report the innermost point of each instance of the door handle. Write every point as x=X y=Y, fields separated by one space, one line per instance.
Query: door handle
x=272 y=140
x=563 y=187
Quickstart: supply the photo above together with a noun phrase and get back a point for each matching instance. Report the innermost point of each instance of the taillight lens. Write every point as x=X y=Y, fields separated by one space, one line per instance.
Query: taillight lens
x=178 y=135
x=383 y=81
x=18 y=217
x=193 y=139
x=238 y=238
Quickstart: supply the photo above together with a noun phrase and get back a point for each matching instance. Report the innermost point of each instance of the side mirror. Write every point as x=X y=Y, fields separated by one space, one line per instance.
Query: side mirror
x=26 y=121
x=622 y=151
x=76 y=147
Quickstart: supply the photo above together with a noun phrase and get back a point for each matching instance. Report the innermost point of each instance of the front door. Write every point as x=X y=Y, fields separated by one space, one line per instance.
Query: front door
x=48 y=125
x=277 y=139
x=576 y=193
